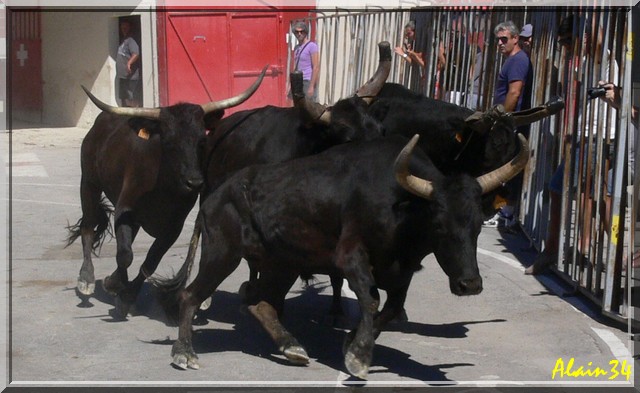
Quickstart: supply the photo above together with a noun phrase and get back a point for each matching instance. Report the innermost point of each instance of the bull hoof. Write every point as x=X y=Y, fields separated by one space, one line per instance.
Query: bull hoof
x=296 y=355
x=183 y=362
x=122 y=308
x=183 y=356
x=248 y=292
x=355 y=366
x=111 y=287
x=86 y=288
x=401 y=317
x=206 y=304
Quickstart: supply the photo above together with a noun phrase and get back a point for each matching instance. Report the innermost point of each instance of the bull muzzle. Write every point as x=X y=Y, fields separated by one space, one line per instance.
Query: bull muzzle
x=194 y=184
x=466 y=286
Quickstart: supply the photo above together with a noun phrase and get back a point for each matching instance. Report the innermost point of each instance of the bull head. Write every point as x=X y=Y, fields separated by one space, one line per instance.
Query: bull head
x=488 y=182
x=154 y=113
x=367 y=91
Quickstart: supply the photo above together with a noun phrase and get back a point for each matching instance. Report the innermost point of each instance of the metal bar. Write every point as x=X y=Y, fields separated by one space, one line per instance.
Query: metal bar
x=612 y=299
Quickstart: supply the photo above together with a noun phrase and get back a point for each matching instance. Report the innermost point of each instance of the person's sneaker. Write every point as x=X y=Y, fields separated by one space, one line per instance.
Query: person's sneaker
x=493 y=221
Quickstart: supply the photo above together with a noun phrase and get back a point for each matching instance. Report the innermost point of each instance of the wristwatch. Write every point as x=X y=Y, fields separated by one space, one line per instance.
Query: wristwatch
x=404 y=55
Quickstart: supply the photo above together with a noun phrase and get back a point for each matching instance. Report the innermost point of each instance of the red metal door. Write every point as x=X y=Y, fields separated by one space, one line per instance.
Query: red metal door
x=254 y=43
x=215 y=55
x=26 y=65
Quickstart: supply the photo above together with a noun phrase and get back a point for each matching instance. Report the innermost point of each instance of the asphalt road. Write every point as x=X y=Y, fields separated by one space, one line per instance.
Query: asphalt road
x=516 y=332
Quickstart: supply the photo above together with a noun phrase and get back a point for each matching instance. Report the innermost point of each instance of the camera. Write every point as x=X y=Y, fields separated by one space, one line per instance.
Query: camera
x=595 y=92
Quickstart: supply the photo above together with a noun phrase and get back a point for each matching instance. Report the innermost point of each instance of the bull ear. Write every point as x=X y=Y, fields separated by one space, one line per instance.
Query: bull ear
x=212 y=119
x=143 y=127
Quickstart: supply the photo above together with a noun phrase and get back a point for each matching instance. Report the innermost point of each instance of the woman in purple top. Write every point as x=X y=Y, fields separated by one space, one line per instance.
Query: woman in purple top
x=307 y=60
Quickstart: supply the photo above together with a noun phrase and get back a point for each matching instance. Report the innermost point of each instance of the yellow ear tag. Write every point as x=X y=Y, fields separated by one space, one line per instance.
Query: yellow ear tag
x=458 y=137
x=499 y=201
x=143 y=133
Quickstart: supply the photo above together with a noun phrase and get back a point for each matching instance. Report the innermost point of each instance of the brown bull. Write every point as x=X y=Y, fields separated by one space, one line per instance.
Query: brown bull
x=146 y=162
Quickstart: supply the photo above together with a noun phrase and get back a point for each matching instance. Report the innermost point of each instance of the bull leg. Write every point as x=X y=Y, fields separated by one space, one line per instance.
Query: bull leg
x=91 y=216
x=129 y=294
x=273 y=287
x=393 y=308
x=126 y=230
x=86 y=278
x=353 y=259
x=219 y=258
x=248 y=289
x=336 y=299
x=336 y=316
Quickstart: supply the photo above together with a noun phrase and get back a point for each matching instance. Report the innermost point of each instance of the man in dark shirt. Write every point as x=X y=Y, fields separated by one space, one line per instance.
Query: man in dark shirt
x=513 y=88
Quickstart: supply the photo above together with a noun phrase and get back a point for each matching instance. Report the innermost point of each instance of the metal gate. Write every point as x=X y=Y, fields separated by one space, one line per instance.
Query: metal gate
x=461 y=66
x=213 y=55
x=26 y=65
x=348 y=48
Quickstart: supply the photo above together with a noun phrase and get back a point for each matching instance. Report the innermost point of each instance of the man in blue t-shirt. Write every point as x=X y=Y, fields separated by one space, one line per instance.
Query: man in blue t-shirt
x=513 y=88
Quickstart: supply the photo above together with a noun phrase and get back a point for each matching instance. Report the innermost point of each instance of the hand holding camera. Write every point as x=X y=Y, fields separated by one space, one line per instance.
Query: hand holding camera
x=595 y=92
x=608 y=91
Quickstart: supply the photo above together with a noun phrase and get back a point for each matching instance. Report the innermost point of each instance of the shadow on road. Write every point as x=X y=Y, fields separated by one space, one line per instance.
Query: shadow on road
x=230 y=328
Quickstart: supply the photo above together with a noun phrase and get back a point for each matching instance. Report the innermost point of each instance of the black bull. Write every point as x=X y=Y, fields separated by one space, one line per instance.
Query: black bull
x=145 y=160
x=457 y=139
x=348 y=210
x=275 y=134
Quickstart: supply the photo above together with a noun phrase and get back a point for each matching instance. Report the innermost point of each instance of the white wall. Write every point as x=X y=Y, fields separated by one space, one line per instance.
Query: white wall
x=79 y=48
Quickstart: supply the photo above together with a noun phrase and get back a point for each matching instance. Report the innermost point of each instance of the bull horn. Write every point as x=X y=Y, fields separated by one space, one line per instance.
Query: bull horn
x=415 y=185
x=374 y=85
x=317 y=112
x=492 y=180
x=369 y=90
x=532 y=115
x=150 y=113
x=237 y=100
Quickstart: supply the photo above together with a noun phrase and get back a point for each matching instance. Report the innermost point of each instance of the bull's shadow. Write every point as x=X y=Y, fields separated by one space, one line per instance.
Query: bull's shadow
x=145 y=304
x=304 y=318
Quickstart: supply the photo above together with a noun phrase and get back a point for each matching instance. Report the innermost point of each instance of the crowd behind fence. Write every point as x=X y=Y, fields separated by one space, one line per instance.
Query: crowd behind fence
x=459 y=50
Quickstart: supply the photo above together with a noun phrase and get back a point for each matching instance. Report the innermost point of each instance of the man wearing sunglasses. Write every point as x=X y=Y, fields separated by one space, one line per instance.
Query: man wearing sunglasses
x=513 y=90
x=306 y=59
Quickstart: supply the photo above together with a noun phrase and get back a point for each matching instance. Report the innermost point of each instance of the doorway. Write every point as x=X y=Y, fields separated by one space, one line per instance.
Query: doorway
x=135 y=33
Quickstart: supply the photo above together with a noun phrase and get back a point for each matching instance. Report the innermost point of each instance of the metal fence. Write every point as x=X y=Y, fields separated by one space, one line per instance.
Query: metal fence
x=348 y=45
x=459 y=50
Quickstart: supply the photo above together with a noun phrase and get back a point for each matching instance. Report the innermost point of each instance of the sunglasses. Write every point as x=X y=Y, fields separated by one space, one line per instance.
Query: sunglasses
x=503 y=39
x=296 y=32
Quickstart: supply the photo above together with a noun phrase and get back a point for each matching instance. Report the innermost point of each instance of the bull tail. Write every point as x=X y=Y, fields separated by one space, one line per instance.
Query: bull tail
x=102 y=230
x=168 y=290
